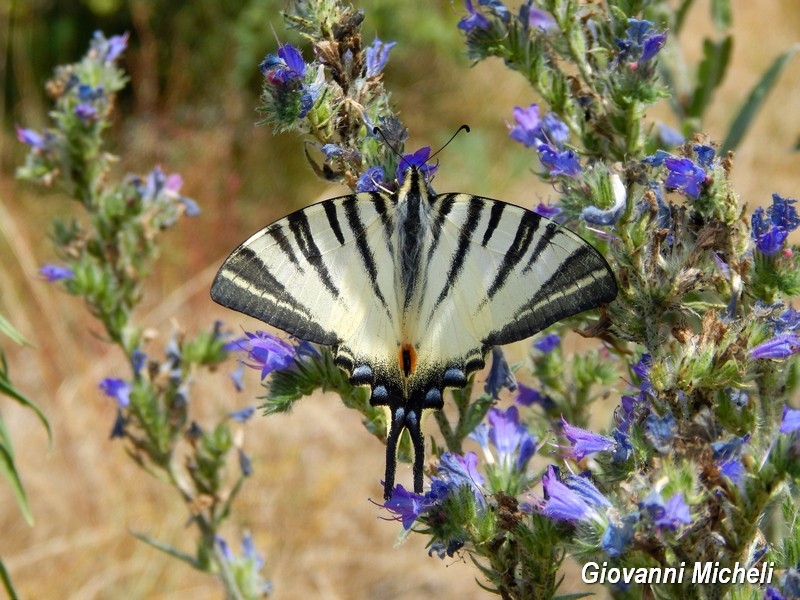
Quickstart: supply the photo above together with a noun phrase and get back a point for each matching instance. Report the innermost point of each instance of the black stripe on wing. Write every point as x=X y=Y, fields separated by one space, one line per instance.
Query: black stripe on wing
x=582 y=281
x=304 y=238
x=245 y=285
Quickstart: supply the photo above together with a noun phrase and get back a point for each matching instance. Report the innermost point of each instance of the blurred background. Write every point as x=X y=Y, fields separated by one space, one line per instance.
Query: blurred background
x=190 y=107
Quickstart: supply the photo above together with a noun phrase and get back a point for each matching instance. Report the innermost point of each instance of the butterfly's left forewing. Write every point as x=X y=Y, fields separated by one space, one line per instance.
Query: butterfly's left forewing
x=319 y=274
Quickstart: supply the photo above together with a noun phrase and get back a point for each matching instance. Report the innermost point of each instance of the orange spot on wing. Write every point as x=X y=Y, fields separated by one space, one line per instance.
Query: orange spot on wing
x=407 y=358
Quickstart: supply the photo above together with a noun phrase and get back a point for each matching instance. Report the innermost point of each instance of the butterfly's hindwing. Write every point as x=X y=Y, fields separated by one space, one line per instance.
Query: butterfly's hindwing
x=412 y=291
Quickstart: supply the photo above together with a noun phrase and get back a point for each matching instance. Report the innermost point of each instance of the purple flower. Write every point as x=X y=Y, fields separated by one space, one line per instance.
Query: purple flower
x=733 y=470
x=500 y=375
x=109 y=50
x=85 y=112
x=417 y=159
x=546 y=211
x=264 y=351
x=53 y=273
x=772 y=593
x=771 y=227
x=790 y=420
x=640 y=44
x=138 y=361
x=729 y=449
x=670 y=515
x=118 y=389
x=377 y=55
x=527 y=396
x=527 y=130
x=237 y=377
x=585 y=442
x=575 y=499
x=532 y=131
x=705 y=155
x=548 y=343
x=782 y=345
x=514 y=443
x=371 y=180
x=31 y=138
x=559 y=162
x=683 y=175
x=536 y=18
x=473 y=20
x=286 y=67
x=789 y=320
x=406 y=506
x=460 y=470
x=243 y=414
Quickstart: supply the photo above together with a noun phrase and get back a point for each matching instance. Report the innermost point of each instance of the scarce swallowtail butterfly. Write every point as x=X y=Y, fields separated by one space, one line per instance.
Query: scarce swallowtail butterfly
x=412 y=290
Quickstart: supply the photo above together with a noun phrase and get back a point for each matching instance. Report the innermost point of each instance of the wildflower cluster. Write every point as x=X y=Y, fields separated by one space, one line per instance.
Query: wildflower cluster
x=337 y=98
x=105 y=254
x=703 y=332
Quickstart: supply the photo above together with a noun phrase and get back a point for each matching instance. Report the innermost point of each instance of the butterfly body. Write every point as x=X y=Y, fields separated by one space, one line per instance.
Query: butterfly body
x=412 y=290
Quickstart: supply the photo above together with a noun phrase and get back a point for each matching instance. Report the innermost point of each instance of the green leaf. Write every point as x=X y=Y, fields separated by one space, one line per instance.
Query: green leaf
x=711 y=72
x=756 y=98
x=721 y=14
x=9 y=472
x=6 y=579
x=680 y=16
x=8 y=329
x=8 y=389
x=172 y=551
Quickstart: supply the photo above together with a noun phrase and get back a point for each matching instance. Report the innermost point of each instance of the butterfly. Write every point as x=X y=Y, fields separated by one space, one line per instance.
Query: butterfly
x=412 y=290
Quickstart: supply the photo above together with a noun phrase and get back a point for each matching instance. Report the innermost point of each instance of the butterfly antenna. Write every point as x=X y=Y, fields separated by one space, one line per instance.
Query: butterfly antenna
x=464 y=127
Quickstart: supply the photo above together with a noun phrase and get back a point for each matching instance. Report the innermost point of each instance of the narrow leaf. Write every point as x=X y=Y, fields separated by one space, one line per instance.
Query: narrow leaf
x=9 y=472
x=711 y=72
x=756 y=98
x=7 y=329
x=7 y=389
x=6 y=579
x=172 y=551
x=721 y=14
x=680 y=16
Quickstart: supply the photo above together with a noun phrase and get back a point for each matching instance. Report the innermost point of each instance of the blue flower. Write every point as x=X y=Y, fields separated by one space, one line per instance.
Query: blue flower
x=546 y=211
x=500 y=375
x=671 y=515
x=86 y=112
x=730 y=449
x=575 y=499
x=371 y=180
x=532 y=131
x=705 y=155
x=527 y=396
x=514 y=443
x=265 y=352
x=548 y=343
x=604 y=217
x=286 y=67
x=772 y=593
x=770 y=228
x=473 y=20
x=790 y=420
x=734 y=470
x=109 y=49
x=243 y=414
x=237 y=377
x=527 y=131
x=640 y=44
x=406 y=505
x=669 y=136
x=377 y=55
x=536 y=18
x=417 y=159
x=31 y=138
x=660 y=431
x=585 y=442
x=617 y=537
x=118 y=389
x=53 y=273
x=780 y=346
x=138 y=361
x=683 y=175
x=559 y=162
